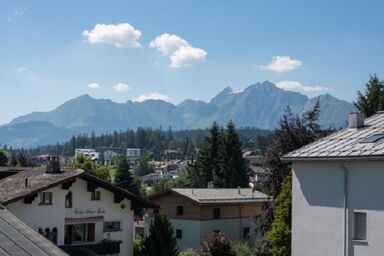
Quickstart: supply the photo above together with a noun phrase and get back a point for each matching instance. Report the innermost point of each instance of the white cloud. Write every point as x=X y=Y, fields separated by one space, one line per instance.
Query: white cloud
x=22 y=69
x=297 y=86
x=120 y=35
x=178 y=50
x=93 y=86
x=152 y=96
x=120 y=87
x=281 y=64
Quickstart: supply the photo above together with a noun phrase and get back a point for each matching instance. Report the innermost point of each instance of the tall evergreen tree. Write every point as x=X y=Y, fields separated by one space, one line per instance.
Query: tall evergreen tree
x=373 y=98
x=161 y=240
x=3 y=158
x=233 y=167
x=124 y=178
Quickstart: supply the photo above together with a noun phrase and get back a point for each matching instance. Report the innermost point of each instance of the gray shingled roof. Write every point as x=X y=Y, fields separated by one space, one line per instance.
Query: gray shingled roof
x=345 y=144
x=17 y=238
x=220 y=195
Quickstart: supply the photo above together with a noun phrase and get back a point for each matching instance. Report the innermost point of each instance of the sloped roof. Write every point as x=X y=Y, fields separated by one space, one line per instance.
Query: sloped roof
x=345 y=144
x=217 y=195
x=33 y=180
x=17 y=238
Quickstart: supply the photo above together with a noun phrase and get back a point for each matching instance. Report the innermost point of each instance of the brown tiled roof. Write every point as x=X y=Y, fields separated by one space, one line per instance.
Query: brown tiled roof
x=345 y=144
x=33 y=180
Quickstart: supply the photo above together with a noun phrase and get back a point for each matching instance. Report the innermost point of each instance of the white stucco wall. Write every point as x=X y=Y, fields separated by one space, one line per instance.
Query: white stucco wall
x=318 y=207
x=49 y=216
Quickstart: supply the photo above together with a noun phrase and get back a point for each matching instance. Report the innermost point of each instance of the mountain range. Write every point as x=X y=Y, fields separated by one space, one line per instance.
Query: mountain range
x=259 y=105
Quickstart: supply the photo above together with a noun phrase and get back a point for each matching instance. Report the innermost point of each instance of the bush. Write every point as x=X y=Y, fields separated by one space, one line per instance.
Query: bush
x=240 y=248
x=188 y=252
x=216 y=244
x=138 y=246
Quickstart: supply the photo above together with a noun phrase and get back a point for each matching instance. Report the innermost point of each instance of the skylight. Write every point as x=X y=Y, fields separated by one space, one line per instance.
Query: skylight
x=373 y=138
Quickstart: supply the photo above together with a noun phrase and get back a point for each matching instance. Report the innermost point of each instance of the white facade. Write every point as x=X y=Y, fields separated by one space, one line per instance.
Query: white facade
x=133 y=152
x=91 y=153
x=83 y=210
x=326 y=195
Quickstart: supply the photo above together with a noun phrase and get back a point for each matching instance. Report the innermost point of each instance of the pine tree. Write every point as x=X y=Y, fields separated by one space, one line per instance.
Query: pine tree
x=373 y=98
x=124 y=177
x=233 y=167
x=3 y=158
x=161 y=240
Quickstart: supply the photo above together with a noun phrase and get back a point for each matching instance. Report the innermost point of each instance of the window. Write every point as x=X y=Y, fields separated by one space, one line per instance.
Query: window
x=54 y=235
x=45 y=198
x=47 y=233
x=95 y=195
x=246 y=232
x=91 y=232
x=360 y=226
x=180 y=210
x=373 y=138
x=78 y=232
x=68 y=200
x=216 y=213
x=179 y=233
x=112 y=226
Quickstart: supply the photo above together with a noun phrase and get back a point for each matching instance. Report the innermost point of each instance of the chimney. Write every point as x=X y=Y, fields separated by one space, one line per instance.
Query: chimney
x=53 y=165
x=210 y=184
x=238 y=190
x=26 y=182
x=355 y=120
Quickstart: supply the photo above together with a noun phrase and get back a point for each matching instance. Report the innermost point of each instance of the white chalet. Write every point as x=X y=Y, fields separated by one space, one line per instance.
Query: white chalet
x=72 y=208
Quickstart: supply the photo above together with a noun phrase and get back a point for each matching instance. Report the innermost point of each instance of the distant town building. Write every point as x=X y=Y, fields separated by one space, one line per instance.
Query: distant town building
x=196 y=212
x=256 y=164
x=173 y=154
x=72 y=208
x=133 y=152
x=90 y=153
x=337 y=191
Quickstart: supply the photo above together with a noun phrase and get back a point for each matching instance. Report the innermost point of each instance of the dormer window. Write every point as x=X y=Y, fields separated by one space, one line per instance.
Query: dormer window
x=95 y=196
x=68 y=200
x=45 y=198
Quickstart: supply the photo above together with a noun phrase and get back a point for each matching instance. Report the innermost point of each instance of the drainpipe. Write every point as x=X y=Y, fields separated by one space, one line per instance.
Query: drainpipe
x=346 y=238
x=241 y=222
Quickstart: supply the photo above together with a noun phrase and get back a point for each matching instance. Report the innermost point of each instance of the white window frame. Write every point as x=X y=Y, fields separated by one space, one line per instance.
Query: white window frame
x=44 y=196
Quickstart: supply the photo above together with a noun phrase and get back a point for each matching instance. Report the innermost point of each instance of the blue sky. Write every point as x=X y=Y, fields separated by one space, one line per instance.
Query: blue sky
x=52 y=51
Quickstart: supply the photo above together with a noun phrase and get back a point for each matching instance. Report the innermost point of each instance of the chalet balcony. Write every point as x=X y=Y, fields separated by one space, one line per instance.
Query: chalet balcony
x=107 y=247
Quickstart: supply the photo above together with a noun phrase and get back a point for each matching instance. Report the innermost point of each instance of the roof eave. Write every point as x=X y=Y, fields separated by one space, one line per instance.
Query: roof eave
x=334 y=159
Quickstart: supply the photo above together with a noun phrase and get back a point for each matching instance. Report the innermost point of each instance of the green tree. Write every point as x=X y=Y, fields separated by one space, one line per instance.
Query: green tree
x=161 y=240
x=293 y=132
x=233 y=167
x=143 y=167
x=124 y=178
x=373 y=98
x=279 y=237
x=216 y=244
x=3 y=158
x=220 y=160
x=82 y=162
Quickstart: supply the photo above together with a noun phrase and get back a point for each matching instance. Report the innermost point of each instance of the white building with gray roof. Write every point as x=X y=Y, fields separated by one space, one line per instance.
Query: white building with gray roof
x=337 y=191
